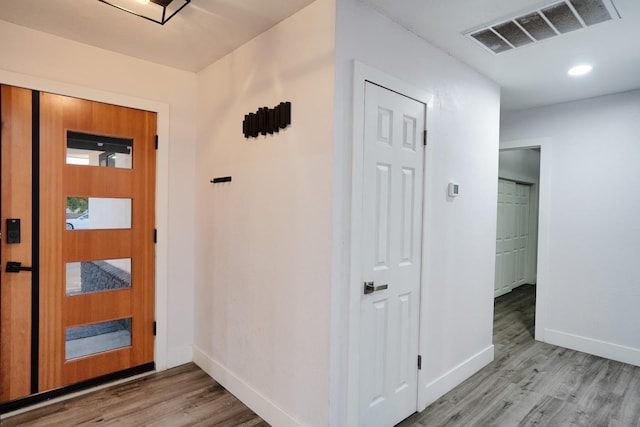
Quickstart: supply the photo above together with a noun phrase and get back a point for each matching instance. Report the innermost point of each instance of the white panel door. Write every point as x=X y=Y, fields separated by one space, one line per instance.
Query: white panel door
x=512 y=236
x=392 y=238
x=521 y=202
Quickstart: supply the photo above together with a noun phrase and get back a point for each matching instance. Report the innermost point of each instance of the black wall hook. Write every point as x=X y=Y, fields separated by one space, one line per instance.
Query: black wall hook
x=221 y=179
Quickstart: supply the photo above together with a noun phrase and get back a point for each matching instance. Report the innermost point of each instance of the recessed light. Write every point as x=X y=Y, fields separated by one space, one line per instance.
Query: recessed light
x=579 y=70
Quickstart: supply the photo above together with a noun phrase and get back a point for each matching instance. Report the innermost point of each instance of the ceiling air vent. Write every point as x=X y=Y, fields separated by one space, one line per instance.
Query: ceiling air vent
x=552 y=20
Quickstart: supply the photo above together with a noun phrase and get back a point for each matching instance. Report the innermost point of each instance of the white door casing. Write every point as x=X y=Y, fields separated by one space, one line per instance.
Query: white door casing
x=512 y=236
x=393 y=174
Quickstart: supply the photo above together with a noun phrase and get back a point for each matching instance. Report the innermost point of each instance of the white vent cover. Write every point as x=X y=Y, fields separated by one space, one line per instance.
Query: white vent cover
x=552 y=20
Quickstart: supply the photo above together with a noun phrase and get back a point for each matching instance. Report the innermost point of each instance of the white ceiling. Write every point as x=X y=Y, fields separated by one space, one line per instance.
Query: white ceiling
x=206 y=30
x=536 y=74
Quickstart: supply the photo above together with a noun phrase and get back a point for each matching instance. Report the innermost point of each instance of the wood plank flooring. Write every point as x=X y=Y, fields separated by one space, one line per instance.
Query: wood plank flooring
x=183 y=396
x=535 y=384
x=528 y=384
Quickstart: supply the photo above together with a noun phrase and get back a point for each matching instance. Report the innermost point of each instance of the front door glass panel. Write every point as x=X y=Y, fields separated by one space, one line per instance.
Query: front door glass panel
x=97 y=213
x=96 y=276
x=96 y=338
x=99 y=150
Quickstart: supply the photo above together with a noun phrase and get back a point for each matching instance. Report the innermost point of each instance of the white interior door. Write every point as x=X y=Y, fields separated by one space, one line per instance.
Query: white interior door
x=512 y=235
x=392 y=238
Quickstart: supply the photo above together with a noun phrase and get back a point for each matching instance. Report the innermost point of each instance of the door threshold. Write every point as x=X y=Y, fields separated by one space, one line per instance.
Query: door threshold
x=39 y=400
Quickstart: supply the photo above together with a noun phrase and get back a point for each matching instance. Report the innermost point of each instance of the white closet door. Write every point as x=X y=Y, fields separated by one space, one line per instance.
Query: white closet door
x=512 y=235
x=392 y=236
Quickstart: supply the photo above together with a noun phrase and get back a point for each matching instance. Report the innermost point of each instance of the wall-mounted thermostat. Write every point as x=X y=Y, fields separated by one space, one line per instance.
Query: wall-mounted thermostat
x=454 y=189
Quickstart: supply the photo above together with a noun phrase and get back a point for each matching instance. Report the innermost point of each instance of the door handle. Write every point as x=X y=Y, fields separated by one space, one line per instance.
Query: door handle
x=370 y=287
x=16 y=267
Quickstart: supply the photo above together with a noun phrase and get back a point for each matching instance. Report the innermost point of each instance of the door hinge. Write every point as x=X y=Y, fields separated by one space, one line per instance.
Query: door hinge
x=424 y=137
x=156 y=142
x=154 y=328
x=155 y=235
x=419 y=362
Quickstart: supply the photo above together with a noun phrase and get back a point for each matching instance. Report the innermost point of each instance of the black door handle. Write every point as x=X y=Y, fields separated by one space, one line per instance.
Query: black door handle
x=16 y=267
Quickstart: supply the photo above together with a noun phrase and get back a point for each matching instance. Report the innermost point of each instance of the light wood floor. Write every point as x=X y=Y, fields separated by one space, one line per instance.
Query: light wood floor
x=528 y=384
x=534 y=384
x=183 y=396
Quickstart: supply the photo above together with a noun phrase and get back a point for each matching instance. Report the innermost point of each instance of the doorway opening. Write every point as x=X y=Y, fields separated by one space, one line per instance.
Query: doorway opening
x=517 y=222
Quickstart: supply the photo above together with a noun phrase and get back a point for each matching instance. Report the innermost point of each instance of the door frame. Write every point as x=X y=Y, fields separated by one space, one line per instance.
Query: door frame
x=362 y=74
x=162 y=183
x=544 y=210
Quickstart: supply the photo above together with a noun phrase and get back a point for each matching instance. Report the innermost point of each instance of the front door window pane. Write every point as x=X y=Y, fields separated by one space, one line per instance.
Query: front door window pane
x=99 y=150
x=97 y=213
x=96 y=338
x=96 y=276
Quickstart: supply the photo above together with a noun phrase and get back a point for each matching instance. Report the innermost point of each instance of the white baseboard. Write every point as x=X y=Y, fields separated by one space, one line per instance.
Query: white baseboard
x=592 y=346
x=256 y=401
x=177 y=356
x=447 y=382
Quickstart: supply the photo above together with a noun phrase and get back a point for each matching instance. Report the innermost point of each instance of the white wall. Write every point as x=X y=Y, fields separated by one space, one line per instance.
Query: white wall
x=592 y=273
x=458 y=278
x=39 y=59
x=263 y=240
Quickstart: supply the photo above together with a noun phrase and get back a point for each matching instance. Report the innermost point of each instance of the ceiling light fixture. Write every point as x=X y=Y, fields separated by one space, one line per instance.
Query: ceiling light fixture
x=579 y=70
x=159 y=11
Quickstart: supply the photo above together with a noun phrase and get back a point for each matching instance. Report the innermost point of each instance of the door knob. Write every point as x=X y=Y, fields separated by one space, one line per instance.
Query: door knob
x=370 y=287
x=16 y=267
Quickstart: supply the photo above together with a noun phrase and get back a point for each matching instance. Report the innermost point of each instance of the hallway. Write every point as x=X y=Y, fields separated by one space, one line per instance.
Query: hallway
x=531 y=383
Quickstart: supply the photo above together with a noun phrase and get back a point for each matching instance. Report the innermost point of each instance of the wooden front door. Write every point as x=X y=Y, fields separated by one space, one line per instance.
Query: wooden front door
x=91 y=300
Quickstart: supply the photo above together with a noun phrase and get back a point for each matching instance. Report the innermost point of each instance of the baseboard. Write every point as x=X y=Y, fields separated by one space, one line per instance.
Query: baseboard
x=522 y=284
x=592 y=346
x=177 y=356
x=447 y=382
x=256 y=401
x=506 y=291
